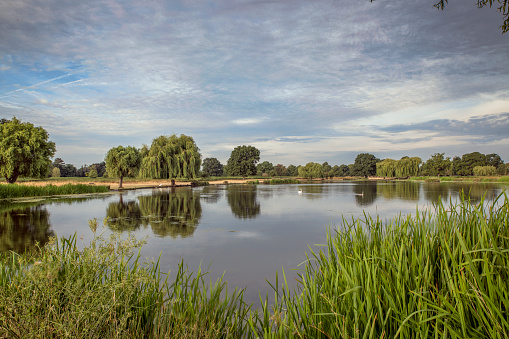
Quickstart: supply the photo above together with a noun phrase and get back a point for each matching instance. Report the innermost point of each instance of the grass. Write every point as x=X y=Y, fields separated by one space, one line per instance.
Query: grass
x=441 y=273
x=16 y=191
x=104 y=291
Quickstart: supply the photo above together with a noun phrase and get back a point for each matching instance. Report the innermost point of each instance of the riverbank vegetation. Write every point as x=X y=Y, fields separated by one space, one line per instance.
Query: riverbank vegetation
x=17 y=191
x=439 y=273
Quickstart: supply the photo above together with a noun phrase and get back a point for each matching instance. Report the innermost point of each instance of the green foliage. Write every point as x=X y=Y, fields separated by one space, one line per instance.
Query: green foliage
x=437 y=165
x=55 y=172
x=104 y=291
x=264 y=167
x=171 y=157
x=243 y=161
x=406 y=167
x=442 y=273
x=465 y=165
x=92 y=173
x=292 y=171
x=503 y=9
x=280 y=170
x=122 y=162
x=327 y=170
x=212 y=167
x=311 y=170
x=16 y=191
x=364 y=165
x=386 y=168
x=484 y=171
x=24 y=150
x=342 y=171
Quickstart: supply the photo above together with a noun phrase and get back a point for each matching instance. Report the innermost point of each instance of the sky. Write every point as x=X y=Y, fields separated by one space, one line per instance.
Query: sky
x=300 y=80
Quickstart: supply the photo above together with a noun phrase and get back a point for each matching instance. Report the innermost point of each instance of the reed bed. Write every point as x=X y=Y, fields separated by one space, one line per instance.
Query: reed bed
x=441 y=274
x=17 y=191
x=104 y=291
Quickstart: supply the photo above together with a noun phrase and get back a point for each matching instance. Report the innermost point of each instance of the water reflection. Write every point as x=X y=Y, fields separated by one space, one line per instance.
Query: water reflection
x=365 y=193
x=399 y=190
x=174 y=213
x=22 y=228
x=124 y=216
x=243 y=201
x=210 y=194
x=444 y=190
x=312 y=191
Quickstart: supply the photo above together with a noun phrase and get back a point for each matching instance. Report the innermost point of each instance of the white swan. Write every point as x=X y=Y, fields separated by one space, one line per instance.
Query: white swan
x=360 y=194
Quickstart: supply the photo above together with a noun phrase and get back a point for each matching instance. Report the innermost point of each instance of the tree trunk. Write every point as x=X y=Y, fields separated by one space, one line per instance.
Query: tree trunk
x=120 y=182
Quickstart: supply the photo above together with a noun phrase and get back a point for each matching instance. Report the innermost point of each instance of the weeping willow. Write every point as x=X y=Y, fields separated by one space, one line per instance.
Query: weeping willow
x=386 y=168
x=406 y=167
x=171 y=157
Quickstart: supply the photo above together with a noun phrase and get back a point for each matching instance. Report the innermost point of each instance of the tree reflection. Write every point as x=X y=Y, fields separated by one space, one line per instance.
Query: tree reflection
x=22 y=228
x=175 y=214
x=242 y=200
x=473 y=191
x=210 y=194
x=365 y=193
x=312 y=191
x=124 y=216
x=399 y=190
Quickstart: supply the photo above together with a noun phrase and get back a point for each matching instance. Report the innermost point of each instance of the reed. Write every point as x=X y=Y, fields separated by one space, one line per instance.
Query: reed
x=280 y=181
x=16 y=191
x=104 y=291
x=439 y=274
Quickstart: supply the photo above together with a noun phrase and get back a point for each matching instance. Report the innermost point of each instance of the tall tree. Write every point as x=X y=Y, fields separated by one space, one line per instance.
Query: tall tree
x=243 y=161
x=123 y=162
x=171 y=157
x=406 y=166
x=365 y=165
x=437 y=165
x=212 y=167
x=24 y=150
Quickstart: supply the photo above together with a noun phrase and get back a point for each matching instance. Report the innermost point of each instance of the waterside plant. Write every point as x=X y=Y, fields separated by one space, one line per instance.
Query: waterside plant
x=16 y=191
x=440 y=273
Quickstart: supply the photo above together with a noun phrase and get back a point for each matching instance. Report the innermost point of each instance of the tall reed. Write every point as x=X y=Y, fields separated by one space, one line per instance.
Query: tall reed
x=442 y=273
x=104 y=291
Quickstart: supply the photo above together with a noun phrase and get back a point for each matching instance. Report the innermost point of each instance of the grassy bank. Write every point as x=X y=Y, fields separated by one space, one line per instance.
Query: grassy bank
x=16 y=191
x=441 y=273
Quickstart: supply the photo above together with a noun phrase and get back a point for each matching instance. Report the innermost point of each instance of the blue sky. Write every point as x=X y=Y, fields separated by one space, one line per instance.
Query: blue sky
x=300 y=80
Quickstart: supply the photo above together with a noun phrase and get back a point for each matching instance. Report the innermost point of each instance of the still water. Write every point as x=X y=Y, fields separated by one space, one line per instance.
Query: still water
x=249 y=232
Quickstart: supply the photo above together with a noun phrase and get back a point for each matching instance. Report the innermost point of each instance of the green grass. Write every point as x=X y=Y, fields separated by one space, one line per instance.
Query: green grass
x=104 y=291
x=440 y=273
x=504 y=179
x=16 y=191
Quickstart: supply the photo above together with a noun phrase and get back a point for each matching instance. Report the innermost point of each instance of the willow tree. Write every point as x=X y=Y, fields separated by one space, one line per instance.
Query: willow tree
x=171 y=157
x=406 y=167
x=386 y=168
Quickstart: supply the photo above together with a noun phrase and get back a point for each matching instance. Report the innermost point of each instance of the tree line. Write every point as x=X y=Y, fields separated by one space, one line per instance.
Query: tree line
x=25 y=150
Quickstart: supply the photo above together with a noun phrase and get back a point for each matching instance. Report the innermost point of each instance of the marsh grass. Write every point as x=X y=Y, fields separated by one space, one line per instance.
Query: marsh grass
x=105 y=291
x=276 y=181
x=16 y=191
x=442 y=273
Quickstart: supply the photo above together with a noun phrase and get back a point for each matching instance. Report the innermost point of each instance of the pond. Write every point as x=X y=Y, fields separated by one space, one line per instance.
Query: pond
x=247 y=231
